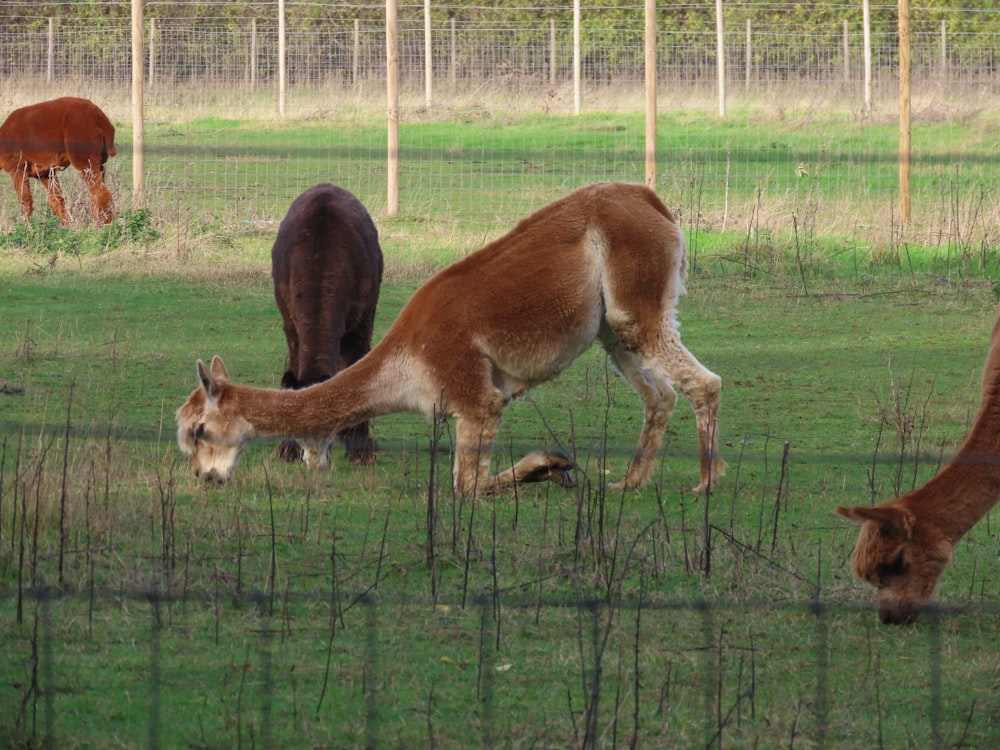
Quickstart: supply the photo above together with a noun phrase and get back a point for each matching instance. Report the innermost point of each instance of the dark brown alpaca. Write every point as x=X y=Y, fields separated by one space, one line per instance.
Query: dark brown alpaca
x=607 y=262
x=326 y=263
x=905 y=544
x=40 y=140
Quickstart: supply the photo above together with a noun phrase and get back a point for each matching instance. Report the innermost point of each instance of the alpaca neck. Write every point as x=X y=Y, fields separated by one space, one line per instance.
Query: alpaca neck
x=969 y=486
x=343 y=401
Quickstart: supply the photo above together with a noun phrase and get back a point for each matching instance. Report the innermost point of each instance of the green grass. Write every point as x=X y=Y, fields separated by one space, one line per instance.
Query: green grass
x=289 y=609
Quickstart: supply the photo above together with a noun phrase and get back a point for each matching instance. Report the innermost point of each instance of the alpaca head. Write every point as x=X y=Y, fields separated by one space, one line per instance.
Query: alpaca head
x=901 y=556
x=212 y=437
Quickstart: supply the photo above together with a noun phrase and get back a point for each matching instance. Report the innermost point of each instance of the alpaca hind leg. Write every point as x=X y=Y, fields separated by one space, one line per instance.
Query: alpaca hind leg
x=703 y=388
x=658 y=399
x=101 y=204
x=90 y=165
x=655 y=376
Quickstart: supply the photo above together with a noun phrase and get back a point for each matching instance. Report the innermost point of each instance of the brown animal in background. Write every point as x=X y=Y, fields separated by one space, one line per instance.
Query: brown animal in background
x=326 y=263
x=607 y=262
x=42 y=139
x=905 y=544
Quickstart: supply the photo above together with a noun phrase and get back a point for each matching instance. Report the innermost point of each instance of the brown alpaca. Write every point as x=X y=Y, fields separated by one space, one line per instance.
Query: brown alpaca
x=607 y=262
x=326 y=264
x=42 y=139
x=905 y=544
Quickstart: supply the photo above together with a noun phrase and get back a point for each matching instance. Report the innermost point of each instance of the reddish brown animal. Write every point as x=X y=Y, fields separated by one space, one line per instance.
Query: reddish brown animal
x=326 y=263
x=40 y=140
x=607 y=262
x=905 y=544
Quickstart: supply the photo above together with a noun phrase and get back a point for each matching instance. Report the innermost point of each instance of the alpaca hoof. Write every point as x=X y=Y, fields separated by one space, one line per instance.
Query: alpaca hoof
x=290 y=451
x=560 y=470
x=708 y=482
x=362 y=457
x=899 y=615
x=562 y=477
x=359 y=448
x=551 y=466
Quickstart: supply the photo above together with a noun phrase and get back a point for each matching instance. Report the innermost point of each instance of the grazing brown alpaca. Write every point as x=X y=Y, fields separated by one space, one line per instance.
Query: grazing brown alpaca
x=905 y=544
x=607 y=262
x=326 y=264
x=42 y=139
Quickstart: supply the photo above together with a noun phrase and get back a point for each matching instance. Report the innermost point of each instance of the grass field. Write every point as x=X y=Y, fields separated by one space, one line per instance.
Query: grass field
x=371 y=607
x=771 y=171
x=287 y=609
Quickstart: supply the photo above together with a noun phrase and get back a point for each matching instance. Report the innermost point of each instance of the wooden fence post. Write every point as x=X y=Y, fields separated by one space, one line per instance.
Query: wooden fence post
x=904 y=111
x=650 y=61
x=392 y=97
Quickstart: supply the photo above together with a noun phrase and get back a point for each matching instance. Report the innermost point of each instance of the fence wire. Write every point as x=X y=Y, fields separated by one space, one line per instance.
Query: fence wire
x=634 y=672
x=468 y=54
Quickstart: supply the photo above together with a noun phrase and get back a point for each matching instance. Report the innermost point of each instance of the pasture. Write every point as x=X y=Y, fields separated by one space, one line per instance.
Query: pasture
x=372 y=607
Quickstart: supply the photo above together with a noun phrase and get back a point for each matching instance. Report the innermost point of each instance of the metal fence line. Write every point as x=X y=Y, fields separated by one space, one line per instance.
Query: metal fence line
x=41 y=719
x=209 y=71
x=214 y=56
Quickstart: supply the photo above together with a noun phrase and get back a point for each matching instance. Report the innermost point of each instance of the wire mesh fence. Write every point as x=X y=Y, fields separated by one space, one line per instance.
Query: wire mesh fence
x=252 y=670
x=155 y=617
x=206 y=73
x=467 y=54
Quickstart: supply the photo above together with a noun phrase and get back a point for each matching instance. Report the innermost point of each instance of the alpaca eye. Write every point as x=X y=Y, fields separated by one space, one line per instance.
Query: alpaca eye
x=199 y=433
x=892 y=568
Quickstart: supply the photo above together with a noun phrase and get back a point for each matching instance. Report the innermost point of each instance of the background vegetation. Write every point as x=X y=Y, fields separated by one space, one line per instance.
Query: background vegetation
x=971 y=24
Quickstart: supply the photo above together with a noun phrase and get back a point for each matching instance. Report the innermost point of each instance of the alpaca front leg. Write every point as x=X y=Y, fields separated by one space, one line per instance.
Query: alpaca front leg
x=474 y=438
x=316 y=452
x=22 y=186
x=472 y=462
x=54 y=193
x=538 y=466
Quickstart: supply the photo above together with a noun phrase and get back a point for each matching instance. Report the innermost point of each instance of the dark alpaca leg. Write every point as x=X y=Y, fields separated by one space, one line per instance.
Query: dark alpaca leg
x=359 y=447
x=289 y=450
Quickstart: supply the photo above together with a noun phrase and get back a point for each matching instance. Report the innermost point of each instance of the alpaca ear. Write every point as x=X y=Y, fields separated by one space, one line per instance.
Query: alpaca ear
x=891 y=520
x=209 y=380
x=219 y=371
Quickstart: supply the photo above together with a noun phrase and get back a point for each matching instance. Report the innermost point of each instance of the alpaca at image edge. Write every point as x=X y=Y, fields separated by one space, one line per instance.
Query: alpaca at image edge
x=905 y=544
x=40 y=140
x=326 y=264
x=605 y=263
